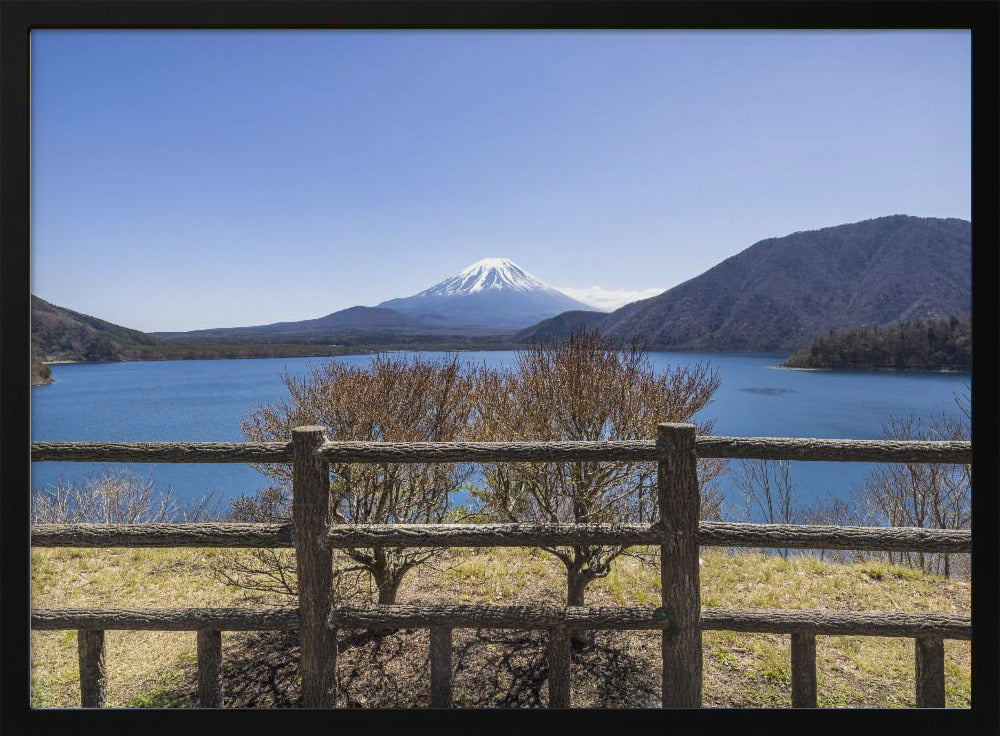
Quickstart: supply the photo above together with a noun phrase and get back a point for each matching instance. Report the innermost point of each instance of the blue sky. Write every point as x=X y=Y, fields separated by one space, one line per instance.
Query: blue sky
x=194 y=179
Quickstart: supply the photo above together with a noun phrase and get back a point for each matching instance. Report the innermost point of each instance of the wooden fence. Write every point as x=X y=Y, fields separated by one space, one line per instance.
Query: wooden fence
x=678 y=533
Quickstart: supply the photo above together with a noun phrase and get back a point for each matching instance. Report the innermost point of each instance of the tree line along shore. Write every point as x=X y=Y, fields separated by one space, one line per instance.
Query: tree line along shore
x=929 y=344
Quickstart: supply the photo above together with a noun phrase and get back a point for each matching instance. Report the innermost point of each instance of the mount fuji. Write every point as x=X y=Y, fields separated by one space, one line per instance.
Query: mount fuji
x=494 y=293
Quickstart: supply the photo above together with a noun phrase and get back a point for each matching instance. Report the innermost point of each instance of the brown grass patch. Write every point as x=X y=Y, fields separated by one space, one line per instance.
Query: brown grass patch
x=496 y=668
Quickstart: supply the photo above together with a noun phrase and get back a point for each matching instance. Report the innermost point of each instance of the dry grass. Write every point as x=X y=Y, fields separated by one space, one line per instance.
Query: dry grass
x=138 y=661
x=496 y=668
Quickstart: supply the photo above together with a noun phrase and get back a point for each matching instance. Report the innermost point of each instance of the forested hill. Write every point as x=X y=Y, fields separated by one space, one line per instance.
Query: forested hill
x=781 y=293
x=560 y=326
x=58 y=333
x=930 y=344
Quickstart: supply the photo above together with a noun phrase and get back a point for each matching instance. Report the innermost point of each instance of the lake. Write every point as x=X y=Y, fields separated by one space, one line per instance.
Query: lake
x=204 y=400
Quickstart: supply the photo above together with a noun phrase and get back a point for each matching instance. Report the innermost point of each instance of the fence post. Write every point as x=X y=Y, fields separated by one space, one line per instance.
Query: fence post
x=440 y=667
x=680 y=506
x=560 y=652
x=803 y=670
x=312 y=516
x=930 y=671
x=93 y=681
x=209 y=668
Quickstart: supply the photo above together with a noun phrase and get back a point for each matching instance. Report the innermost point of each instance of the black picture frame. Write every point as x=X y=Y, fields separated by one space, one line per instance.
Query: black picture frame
x=19 y=17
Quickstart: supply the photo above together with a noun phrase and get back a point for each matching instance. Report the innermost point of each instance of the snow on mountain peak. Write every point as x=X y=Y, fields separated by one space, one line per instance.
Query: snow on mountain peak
x=492 y=274
x=488 y=263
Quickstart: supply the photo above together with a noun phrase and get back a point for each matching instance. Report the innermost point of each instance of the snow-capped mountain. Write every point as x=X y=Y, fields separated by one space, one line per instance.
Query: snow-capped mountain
x=489 y=273
x=491 y=293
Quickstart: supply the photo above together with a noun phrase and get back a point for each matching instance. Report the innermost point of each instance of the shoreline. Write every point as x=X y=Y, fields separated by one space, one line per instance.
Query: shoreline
x=877 y=370
x=503 y=350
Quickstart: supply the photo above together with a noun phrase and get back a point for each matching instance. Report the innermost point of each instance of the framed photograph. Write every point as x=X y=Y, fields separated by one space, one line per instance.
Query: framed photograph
x=500 y=364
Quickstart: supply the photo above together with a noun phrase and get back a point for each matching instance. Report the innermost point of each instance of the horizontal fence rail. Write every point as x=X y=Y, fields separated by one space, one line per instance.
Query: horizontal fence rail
x=207 y=534
x=838 y=623
x=803 y=536
x=871 y=451
x=162 y=452
x=710 y=533
x=708 y=446
x=165 y=619
x=481 y=616
x=488 y=452
x=779 y=448
x=405 y=616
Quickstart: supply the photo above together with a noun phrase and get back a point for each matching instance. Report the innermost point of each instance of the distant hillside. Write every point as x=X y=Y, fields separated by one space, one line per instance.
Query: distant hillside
x=780 y=293
x=353 y=321
x=58 y=333
x=560 y=327
x=931 y=344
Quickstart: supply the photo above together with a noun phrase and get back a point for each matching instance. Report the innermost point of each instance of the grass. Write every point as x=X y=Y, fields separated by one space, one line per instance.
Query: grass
x=496 y=668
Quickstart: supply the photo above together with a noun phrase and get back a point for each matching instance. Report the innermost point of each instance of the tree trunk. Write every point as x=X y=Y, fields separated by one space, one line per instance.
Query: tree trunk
x=576 y=585
x=385 y=580
x=388 y=586
x=387 y=590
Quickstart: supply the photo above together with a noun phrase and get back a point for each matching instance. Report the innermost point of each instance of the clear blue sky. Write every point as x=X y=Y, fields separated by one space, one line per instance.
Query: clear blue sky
x=191 y=179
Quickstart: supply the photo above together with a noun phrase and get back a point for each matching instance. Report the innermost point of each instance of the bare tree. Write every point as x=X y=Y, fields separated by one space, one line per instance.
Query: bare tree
x=262 y=573
x=395 y=399
x=768 y=492
x=924 y=494
x=113 y=497
x=583 y=389
x=928 y=495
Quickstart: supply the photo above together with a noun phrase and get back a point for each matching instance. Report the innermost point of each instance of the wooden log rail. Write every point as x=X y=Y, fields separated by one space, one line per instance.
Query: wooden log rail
x=803 y=669
x=484 y=616
x=162 y=452
x=210 y=668
x=312 y=514
x=440 y=667
x=768 y=448
x=396 y=616
x=710 y=534
x=678 y=535
x=777 y=448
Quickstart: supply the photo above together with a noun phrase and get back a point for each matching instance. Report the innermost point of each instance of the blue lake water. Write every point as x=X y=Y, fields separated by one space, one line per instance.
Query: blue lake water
x=204 y=400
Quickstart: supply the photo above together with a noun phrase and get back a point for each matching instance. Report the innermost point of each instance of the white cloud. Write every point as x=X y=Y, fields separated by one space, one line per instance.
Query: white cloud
x=608 y=299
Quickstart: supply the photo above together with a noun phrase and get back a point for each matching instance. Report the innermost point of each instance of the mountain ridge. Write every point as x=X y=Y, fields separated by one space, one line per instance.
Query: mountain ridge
x=776 y=295
x=779 y=293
